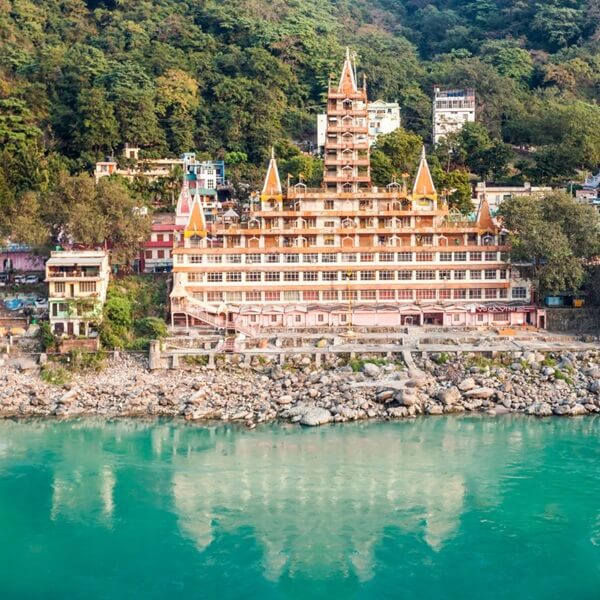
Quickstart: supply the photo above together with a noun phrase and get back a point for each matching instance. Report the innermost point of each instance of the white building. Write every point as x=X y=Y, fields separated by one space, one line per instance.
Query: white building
x=451 y=110
x=77 y=286
x=383 y=117
x=495 y=195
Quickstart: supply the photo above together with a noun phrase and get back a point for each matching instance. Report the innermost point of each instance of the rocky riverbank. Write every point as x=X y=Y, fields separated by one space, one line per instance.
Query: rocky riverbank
x=531 y=383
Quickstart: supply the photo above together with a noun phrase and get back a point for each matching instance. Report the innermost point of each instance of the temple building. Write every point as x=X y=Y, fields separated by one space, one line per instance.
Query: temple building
x=348 y=253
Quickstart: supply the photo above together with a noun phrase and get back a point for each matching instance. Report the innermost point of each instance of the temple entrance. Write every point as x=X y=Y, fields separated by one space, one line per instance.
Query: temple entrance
x=433 y=319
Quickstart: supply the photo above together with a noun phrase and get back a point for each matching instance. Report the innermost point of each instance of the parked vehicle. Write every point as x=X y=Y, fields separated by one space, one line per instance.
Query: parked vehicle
x=20 y=279
x=32 y=279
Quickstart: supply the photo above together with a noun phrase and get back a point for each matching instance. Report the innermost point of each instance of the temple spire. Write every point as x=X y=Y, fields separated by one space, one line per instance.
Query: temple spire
x=484 y=215
x=196 y=225
x=348 y=80
x=272 y=186
x=423 y=186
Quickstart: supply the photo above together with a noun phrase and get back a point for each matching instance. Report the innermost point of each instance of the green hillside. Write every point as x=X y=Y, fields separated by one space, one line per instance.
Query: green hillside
x=232 y=77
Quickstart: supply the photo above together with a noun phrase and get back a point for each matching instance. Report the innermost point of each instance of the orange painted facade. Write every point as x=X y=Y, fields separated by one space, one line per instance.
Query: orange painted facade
x=348 y=252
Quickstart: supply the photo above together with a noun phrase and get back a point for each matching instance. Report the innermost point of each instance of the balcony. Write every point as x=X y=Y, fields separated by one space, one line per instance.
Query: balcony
x=73 y=274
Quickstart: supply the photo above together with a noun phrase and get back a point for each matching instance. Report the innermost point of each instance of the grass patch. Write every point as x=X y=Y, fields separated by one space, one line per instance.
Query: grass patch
x=441 y=359
x=55 y=374
x=196 y=360
x=357 y=364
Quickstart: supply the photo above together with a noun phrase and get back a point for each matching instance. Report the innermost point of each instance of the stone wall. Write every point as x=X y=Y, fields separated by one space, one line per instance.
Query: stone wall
x=574 y=320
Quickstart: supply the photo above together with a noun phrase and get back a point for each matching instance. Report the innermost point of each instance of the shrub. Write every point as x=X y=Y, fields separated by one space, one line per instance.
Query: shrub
x=47 y=339
x=151 y=327
x=55 y=374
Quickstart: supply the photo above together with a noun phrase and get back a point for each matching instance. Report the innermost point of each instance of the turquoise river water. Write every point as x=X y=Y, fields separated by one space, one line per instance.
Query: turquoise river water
x=484 y=508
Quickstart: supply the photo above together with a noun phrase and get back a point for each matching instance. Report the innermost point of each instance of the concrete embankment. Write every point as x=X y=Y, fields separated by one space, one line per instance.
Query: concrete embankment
x=532 y=383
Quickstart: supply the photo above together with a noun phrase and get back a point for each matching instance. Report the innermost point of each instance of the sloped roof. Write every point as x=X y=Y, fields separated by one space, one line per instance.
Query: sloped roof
x=423 y=185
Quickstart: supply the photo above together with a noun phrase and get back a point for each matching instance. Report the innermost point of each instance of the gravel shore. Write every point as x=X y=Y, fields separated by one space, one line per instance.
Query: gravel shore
x=535 y=384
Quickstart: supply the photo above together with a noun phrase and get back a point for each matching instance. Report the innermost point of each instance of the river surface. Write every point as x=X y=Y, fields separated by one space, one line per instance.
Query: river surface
x=431 y=508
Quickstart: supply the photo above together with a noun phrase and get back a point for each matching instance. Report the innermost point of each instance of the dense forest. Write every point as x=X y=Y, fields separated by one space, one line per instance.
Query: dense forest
x=230 y=78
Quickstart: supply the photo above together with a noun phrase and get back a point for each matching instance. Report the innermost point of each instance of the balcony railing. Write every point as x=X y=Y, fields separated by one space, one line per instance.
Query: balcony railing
x=73 y=274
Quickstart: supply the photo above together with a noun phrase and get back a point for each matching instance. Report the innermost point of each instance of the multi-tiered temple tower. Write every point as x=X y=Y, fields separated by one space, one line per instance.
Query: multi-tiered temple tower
x=348 y=252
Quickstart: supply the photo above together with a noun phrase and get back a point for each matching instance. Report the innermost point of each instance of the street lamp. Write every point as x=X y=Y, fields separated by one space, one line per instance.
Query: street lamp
x=348 y=277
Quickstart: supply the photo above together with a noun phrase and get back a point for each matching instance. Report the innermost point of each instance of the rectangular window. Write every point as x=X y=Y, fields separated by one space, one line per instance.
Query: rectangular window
x=87 y=286
x=386 y=275
x=234 y=277
x=148 y=254
x=329 y=224
x=460 y=294
x=214 y=258
x=502 y=293
x=476 y=274
x=329 y=276
x=253 y=276
x=424 y=256
x=444 y=275
x=253 y=297
x=425 y=275
x=272 y=276
x=329 y=257
x=501 y=317
x=460 y=275
x=475 y=256
x=490 y=293
x=329 y=240
x=367 y=257
x=297 y=318
x=330 y=295
x=291 y=258
x=194 y=277
x=59 y=287
x=405 y=294
x=311 y=258
x=502 y=274
x=491 y=256
x=234 y=258
x=329 y=204
x=253 y=259
x=387 y=294
x=233 y=296
x=291 y=276
x=160 y=254
x=367 y=275
x=291 y=295
x=349 y=257
x=475 y=294
x=195 y=258
x=271 y=296
x=349 y=294
x=310 y=276
x=310 y=295
x=405 y=275
x=214 y=296
x=490 y=273
x=368 y=294
x=446 y=256
x=519 y=292
x=214 y=277
x=445 y=294
x=405 y=256
x=272 y=258
x=386 y=256
x=320 y=318
x=460 y=256
x=425 y=294
x=253 y=318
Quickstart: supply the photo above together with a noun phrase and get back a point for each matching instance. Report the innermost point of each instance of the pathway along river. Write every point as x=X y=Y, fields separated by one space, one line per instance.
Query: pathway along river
x=446 y=507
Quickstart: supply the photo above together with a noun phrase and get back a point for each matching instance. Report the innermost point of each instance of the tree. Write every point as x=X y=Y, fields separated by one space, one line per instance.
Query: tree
x=555 y=235
x=402 y=148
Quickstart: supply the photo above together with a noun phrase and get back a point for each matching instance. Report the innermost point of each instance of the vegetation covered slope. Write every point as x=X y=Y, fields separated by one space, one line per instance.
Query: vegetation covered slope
x=232 y=77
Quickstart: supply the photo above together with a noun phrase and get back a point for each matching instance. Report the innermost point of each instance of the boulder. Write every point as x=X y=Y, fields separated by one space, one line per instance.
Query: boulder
x=69 y=397
x=371 y=370
x=398 y=412
x=406 y=397
x=434 y=409
x=385 y=395
x=480 y=392
x=594 y=373
x=26 y=364
x=284 y=400
x=316 y=416
x=449 y=396
x=578 y=409
x=466 y=384
x=547 y=371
